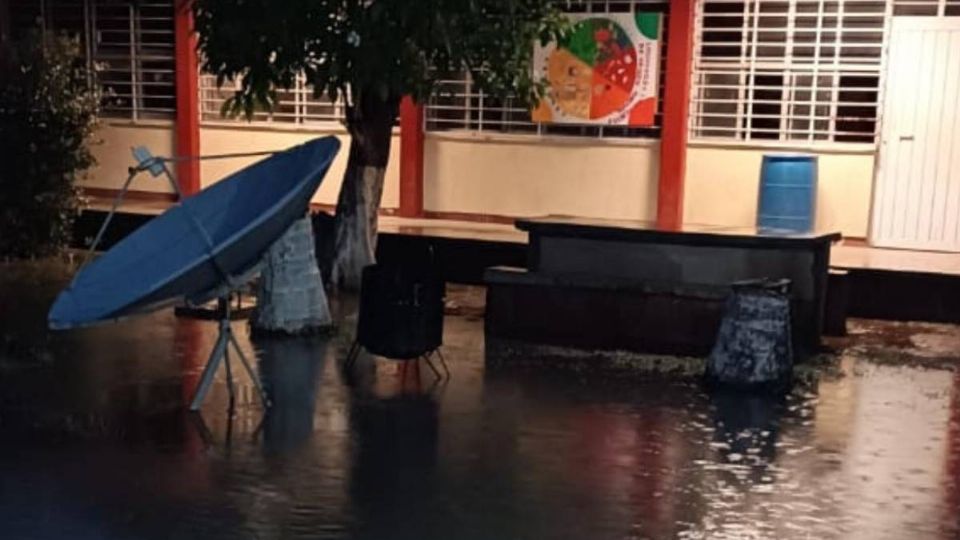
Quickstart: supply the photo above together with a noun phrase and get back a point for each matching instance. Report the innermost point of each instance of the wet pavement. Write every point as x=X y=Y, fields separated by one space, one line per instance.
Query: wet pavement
x=96 y=440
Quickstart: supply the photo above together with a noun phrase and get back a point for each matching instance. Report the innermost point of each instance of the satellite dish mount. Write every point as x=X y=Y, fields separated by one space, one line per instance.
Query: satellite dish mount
x=221 y=352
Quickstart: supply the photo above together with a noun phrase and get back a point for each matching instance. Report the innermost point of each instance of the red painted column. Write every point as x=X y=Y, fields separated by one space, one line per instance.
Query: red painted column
x=676 y=99
x=188 y=98
x=411 y=158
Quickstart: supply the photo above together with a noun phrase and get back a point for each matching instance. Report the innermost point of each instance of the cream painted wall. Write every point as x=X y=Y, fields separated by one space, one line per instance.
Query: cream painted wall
x=223 y=139
x=722 y=185
x=525 y=176
x=113 y=154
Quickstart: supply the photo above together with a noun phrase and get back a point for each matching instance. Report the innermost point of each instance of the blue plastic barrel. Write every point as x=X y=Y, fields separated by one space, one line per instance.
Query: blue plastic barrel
x=788 y=193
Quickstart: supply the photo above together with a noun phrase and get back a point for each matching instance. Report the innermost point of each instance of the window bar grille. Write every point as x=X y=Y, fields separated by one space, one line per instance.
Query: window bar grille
x=696 y=86
x=480 y=112
x=134 y=62
x=300 y=98
x=94 y=35
x=111 y=33
x=745 y=76
x=732 y=76
x=815 y=81
x=835 y=90
x=88 y=39
x=752 y=73
x=789 y=76
x=467 y=112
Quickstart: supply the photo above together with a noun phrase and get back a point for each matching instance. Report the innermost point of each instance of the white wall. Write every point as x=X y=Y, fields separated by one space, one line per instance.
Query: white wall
x=525 y=176
x=114 y=157
x=722 y=186
x=223 y=139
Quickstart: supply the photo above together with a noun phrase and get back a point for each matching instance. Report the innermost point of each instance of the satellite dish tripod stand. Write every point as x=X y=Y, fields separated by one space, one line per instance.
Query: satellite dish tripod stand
x=221 y=352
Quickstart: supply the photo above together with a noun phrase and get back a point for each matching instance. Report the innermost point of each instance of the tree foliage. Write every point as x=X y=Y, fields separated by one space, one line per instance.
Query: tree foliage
x=371 y=53
x=49 y=102
x=387 y=48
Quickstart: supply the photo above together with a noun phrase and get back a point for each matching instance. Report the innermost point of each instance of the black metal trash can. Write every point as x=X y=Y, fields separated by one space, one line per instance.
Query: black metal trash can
x=754 y=348
x=401 y=310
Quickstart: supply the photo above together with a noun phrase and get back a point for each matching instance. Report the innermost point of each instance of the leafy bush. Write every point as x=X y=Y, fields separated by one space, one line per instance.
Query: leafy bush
x=49 y=103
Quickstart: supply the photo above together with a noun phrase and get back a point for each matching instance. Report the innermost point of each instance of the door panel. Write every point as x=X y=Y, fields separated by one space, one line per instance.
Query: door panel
x=917 y=193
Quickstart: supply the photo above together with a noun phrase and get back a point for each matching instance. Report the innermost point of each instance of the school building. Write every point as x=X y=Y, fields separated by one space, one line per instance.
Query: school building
x=871 y=87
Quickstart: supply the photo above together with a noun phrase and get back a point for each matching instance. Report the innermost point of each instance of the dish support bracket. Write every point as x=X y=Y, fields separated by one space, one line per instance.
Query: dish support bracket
x=146 y=162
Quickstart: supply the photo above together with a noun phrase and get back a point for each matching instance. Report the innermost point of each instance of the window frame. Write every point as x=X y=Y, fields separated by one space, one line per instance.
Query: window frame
x=83 y=17
x=846 y=110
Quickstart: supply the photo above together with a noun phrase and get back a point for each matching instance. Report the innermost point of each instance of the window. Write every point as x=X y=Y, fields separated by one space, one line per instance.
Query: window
x=787 y=70
x=459 y=106
x=929 y=8
x=295 y=106
x=133 y=41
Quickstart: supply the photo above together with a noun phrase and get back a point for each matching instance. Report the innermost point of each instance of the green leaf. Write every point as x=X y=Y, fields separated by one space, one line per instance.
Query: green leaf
x=648 y=24
x=390 y=47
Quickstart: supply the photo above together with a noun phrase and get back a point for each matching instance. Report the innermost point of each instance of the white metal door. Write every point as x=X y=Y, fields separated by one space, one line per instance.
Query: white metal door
x=917 y=195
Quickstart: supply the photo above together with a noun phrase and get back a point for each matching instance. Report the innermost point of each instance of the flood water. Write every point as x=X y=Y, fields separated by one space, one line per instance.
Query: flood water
x=96 y=441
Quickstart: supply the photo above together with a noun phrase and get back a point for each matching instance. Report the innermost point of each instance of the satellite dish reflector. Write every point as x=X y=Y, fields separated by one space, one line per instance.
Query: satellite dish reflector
x=201 y=246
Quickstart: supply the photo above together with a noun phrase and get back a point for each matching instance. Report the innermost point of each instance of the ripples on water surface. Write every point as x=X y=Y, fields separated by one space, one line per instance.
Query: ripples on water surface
x=95 y=442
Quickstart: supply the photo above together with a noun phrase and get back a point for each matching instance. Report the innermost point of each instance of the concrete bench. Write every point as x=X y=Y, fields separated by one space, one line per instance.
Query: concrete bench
x=629 y=285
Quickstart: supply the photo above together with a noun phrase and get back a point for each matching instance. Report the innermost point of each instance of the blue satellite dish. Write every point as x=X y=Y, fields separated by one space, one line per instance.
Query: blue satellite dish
x=196 y=248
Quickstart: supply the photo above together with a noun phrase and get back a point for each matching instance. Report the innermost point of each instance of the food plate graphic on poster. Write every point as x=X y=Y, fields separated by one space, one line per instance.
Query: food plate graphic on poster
x=604 y=72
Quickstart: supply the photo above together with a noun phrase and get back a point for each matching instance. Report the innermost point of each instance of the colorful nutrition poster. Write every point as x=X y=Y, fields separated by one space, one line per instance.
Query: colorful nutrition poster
x=604 y=72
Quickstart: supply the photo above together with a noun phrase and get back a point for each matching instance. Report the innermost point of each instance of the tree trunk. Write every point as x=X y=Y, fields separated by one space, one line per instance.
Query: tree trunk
x=290 y=296
x=370 y=123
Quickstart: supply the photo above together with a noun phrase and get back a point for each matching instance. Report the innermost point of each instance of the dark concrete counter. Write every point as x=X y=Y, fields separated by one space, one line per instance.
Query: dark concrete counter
x=578 y=253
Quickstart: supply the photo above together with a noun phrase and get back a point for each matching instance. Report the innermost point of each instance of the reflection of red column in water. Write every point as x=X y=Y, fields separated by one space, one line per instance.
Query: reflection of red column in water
x=188 y=346
x=653 y=500
x=618 y=438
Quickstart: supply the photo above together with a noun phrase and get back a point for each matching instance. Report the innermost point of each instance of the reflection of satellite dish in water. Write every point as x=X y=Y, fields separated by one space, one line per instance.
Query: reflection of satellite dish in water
x=201 y=248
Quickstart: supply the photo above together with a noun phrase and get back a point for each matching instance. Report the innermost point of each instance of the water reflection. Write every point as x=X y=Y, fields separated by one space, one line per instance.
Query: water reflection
x=291 y=371
x=394 y=469
x=897 y=452
x=747 y=427
x=97 y=443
